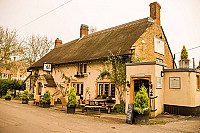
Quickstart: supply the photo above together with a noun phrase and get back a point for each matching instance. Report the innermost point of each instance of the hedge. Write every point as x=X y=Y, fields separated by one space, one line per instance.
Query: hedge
x=6 y=84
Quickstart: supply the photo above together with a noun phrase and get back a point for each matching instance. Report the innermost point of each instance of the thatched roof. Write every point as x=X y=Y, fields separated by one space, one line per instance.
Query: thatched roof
x=97 y=45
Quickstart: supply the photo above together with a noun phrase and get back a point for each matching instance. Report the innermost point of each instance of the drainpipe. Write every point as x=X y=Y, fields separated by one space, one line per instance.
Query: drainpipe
x=174 y=61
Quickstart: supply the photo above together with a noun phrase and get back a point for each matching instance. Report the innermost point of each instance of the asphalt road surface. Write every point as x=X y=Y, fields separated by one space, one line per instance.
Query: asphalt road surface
x=18 y=118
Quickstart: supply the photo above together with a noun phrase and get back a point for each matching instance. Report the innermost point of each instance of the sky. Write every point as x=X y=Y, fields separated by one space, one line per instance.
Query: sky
x=180 y=19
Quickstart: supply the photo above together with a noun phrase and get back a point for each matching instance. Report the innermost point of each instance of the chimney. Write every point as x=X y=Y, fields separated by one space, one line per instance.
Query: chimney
x=83 y=30
x=193 y=63
x=58 y=42
x=155 y=12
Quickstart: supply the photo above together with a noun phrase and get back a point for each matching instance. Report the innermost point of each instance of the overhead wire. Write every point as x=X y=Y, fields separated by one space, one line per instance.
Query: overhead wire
x=190 y=49
x=44 y=15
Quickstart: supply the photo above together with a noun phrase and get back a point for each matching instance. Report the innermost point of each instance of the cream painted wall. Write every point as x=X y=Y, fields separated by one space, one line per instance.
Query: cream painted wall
x=186 y=95
x=159 y=91
x=154 y=71
x=69 y=70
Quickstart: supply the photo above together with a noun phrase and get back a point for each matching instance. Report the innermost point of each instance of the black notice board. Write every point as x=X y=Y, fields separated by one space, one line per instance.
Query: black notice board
x=129 y=116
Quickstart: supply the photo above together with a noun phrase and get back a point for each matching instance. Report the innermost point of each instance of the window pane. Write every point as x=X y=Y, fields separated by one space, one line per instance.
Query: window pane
x=81 y=89
x=74 y=85
x=106 y=89
x=100 y=89
x=85 y=68
x=77 y=88
x=112 y=90
x=80 y=68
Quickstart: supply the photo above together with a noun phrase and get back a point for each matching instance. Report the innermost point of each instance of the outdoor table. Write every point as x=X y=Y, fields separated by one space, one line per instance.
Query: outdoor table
x=98 y=101
x=93 y=107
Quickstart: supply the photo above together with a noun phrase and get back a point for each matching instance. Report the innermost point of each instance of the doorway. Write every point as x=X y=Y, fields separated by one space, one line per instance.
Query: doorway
x=138 y=84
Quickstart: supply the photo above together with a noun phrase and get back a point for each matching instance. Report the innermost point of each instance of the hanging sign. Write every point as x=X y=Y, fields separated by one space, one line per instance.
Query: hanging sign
x=47 y=67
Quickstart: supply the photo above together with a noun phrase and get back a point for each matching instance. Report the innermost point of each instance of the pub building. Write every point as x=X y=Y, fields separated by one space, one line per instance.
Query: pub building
x=171 y=89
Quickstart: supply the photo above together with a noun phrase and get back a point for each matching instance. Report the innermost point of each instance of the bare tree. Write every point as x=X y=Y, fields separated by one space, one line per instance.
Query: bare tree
x=9 y=46
x=35 y=47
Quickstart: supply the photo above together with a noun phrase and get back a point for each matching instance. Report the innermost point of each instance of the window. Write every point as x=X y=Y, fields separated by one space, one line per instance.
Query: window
x=198 y=82
x=82 y=68
x=100 y=89
x=106 y=89
x=158 y=60
x=112 y=90
x=78 y=88
x=174 y=82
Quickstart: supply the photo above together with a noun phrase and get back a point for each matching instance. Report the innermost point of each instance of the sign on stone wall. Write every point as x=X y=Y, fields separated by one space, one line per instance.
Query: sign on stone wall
x=159 y=46
x=174 y=82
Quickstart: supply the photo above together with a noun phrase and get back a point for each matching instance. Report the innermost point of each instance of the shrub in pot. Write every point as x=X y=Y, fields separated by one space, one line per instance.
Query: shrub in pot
x=8 y=95
x=46 y=99
x=25 y=97
x=141 y=106
x=72 y=101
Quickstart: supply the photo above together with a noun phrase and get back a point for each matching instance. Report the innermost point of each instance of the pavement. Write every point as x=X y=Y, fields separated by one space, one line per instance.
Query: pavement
x=20 y=118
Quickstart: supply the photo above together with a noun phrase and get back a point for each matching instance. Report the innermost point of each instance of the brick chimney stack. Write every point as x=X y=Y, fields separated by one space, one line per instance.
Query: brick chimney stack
x=84 y=30
x=58 y=42
x=155 y=11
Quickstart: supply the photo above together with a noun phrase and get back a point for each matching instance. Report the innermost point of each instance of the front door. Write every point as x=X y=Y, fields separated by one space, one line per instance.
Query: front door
x=137 y=85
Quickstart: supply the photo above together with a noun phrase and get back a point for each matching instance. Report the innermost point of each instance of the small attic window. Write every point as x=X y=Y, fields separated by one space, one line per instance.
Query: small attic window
x=82 y=68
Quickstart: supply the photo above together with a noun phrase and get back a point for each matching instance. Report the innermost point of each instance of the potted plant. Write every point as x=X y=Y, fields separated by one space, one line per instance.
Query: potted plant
x=141 y=106
x=8 y=95
x=25 y=97
x=71 y=104
x=46 y=99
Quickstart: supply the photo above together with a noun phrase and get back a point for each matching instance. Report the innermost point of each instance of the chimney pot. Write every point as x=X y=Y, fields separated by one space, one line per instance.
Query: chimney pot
x=155 y=11
x=58 y=42
x=84 y=30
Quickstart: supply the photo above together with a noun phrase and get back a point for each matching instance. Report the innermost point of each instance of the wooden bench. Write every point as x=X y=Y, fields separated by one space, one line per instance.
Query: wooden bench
x=93 y=107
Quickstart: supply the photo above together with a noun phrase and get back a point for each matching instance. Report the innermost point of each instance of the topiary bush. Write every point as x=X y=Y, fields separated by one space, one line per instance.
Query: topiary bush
x=141 y=101
x=46 y=97
x=72 y=101
x=25 y=95
x=184 y=53
x=6 y=84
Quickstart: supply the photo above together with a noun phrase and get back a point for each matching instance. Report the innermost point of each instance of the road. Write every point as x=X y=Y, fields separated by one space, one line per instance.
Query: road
x=18 y=118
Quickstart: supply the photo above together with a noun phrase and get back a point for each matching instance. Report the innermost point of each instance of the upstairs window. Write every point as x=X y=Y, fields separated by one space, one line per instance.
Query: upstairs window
x=82 y=68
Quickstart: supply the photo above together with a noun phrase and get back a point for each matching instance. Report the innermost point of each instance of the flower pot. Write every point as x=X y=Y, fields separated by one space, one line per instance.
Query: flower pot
x=25 y=101
x=140 y=118
x=46 y=105
x=8 y=98
x=71 y=109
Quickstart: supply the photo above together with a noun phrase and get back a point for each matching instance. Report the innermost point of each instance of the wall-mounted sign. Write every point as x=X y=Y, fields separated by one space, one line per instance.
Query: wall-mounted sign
x=139 y=74
x=174 y=82
x=158 y=82
x=159 y=46
x=47 y=67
